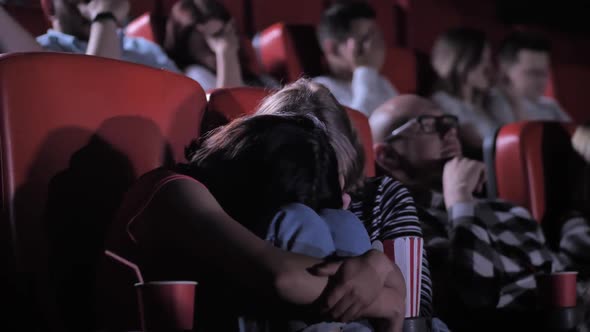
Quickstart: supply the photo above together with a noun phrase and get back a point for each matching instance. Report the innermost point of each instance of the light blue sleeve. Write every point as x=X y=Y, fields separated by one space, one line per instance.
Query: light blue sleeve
x=203 y=76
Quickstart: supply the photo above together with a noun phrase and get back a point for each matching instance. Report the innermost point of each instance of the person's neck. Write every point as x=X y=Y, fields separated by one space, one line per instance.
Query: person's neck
x=340 y=72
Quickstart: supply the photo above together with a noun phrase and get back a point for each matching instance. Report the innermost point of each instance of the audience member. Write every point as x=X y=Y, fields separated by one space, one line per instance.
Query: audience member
x=354 y=49
x=278 y=176
x=524 y=75
x=461 y=58
x=84 y=27
x=202 y=39
x=383 y=205
x=486 y=252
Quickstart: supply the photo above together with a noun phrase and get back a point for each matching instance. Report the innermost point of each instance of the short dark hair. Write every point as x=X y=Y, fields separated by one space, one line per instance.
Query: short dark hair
x=518 y=41
x=336 y=20
x=256 y=164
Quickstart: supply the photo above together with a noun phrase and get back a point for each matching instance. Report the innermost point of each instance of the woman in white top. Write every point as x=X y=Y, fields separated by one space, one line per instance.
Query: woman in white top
x=201 y=38
x=462 y=59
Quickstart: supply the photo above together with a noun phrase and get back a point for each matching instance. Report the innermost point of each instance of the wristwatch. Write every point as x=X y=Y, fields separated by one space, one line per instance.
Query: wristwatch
x=104 y=16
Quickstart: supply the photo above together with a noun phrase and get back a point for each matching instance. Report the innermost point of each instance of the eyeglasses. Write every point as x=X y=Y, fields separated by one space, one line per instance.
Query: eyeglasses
x=428 y=124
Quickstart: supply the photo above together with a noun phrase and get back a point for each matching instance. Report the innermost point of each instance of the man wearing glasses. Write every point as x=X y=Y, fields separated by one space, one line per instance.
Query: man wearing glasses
x=483 y=253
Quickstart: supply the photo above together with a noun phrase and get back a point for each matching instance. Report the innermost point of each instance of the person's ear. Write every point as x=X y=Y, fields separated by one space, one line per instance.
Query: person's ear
x=386 y=157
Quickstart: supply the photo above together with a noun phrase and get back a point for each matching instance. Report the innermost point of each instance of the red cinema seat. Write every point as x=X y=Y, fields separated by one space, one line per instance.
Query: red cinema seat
x=76 y=131
x=533 y=162
x=227 y=104
x=31 y=18
x=569 y=88
x=142 y=27
x=290 y=51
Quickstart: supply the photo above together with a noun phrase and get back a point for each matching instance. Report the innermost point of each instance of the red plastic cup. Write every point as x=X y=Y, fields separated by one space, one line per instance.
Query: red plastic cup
x=558 y=289
x=167 y=305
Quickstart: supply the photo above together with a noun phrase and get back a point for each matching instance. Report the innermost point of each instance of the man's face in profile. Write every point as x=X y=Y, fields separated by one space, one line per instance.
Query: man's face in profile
x=529 y=74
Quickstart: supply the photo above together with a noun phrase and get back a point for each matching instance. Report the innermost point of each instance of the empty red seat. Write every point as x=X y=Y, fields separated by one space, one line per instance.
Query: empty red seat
x=227 y=104
x=530 y=162
x=76 y=132
x=31 y=18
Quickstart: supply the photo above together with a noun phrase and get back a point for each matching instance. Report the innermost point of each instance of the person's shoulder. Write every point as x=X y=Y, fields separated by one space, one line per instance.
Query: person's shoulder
x=325 y=80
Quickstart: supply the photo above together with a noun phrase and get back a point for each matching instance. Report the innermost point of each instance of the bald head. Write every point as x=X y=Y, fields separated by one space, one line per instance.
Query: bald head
x=398 y=111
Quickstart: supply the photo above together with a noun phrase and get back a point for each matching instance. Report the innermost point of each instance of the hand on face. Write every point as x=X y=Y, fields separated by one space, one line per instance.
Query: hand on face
x=461 y=178
x=224 y=42
x=368 y=52
x=119 y=8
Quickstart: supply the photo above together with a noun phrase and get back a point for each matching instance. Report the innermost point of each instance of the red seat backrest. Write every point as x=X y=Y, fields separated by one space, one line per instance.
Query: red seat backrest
x=75 y=132
x=227 y=104
x=528 y=156
x=31 y=18
x=569 y=88
x=265 y=13
x=142 y=27
x=401 y=69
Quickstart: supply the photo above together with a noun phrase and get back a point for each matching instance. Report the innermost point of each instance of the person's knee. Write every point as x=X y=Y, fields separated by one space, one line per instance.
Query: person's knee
x=298 y=228
x=348 y=232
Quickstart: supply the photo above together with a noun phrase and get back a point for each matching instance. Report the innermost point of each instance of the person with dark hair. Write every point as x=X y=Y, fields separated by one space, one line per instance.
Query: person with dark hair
x=462 y=59
x=354 y=49
x=201 y=38
x=84 y=27
x=278 y=176
x=524 y=74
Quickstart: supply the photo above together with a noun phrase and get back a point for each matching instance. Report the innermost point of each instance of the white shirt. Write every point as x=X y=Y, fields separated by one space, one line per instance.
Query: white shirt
x=367 y=90
x=136 y=50
x=467 y=114
x=543 y=109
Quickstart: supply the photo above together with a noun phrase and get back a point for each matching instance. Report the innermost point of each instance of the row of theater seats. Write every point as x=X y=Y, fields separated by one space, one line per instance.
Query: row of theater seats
x=288 y=49
x=76 y=131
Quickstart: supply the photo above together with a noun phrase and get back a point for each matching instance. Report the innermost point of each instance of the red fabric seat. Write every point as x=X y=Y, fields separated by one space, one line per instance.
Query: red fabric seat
x=531 y=165
x=142 y=27
x=569 y=88
x=289 y=51
x=76 y=132
x=31 y=18
x=227 y=104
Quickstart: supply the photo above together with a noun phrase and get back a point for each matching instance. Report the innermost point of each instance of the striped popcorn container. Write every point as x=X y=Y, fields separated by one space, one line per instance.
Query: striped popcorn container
x=406 y=253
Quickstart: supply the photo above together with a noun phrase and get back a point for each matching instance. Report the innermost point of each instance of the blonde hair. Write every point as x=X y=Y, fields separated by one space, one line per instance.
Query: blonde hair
x=308 y=98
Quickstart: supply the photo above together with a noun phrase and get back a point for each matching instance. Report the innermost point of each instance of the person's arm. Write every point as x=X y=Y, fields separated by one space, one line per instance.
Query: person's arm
x=104 y=39
x=185 y=216
x=226 y=47
x=574 y=244
x=381 y=284
x=13 y=37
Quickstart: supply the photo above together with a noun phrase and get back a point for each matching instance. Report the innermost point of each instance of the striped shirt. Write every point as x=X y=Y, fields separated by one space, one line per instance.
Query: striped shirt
x=491 y=250
x=388 y=212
